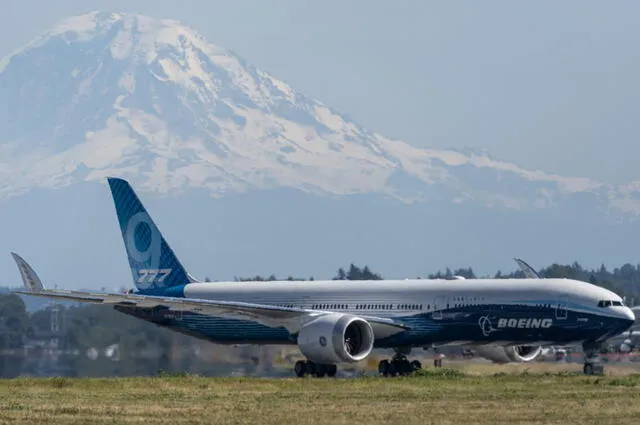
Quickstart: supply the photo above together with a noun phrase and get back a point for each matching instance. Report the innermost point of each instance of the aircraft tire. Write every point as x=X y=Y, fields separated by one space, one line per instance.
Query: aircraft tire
x=321 y=370
x=383 y=368
x=393 y=369
x=332 y=370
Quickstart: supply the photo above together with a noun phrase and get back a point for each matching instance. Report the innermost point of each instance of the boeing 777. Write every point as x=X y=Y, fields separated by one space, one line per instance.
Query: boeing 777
x=335 y=322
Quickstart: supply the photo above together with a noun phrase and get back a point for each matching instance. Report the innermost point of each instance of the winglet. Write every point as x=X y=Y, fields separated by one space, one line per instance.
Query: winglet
x=529 y=272
x=30 y=278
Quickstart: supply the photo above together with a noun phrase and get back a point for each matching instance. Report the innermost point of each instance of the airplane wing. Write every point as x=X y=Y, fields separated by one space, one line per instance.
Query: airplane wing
x=274 y=316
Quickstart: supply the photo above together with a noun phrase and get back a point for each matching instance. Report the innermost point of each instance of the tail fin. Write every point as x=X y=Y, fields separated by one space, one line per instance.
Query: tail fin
x=30 y=278
x=153 y=263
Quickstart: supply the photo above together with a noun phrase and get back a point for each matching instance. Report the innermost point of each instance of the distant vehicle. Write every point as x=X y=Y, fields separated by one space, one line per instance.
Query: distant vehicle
x=336 y=322
x=625 y=342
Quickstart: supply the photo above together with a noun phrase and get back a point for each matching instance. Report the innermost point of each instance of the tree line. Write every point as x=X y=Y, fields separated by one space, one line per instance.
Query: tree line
x=624 y=280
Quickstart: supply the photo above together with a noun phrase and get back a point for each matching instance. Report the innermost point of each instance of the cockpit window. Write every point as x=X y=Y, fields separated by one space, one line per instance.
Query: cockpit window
x=609 y=303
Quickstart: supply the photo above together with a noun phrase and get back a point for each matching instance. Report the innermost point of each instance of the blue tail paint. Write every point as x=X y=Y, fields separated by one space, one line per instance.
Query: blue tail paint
x=153 y=264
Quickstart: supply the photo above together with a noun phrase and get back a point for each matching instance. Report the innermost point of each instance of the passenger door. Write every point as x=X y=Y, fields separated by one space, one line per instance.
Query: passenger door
x=438 y=306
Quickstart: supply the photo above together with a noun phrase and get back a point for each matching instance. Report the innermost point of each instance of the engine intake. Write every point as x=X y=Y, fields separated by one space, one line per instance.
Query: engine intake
x=336 y=338
x=508 y=354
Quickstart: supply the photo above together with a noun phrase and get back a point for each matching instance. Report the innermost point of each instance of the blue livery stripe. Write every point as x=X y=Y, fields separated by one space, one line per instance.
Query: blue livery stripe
x=481 y=324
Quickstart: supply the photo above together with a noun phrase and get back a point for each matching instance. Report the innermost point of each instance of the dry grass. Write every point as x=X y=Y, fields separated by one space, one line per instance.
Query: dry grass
x=486 y=368
x=446 y=396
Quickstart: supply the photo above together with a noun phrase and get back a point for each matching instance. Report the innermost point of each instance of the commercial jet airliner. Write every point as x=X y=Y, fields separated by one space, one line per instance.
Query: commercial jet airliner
x=335 y=322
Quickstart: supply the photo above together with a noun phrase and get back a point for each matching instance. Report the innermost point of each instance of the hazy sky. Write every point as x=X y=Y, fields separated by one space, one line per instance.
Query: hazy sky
x=545 y=84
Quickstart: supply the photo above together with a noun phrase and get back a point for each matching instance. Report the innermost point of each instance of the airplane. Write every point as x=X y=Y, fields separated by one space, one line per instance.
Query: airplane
x=337 y=321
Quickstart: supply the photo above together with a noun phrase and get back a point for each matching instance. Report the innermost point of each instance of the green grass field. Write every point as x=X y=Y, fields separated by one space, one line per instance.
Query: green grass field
x=446 y=396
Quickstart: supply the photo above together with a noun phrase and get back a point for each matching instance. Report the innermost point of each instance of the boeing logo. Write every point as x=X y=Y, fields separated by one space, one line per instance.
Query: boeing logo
x=524 y=323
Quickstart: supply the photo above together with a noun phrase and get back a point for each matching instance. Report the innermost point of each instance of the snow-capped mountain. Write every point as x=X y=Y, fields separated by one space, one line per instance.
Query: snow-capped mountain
x=151 y=100
x=247 y=176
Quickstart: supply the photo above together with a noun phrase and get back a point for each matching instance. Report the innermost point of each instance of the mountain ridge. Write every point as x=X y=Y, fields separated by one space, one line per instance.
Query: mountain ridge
x=247 y=176
x=153 y=101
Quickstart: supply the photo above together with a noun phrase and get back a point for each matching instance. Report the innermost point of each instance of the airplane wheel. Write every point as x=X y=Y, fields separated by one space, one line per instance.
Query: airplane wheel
x=309 y=368
x=383 y=367
x=416 y=365
x=299 y=368
x=406 y=368
x=332 y=370
x=393 y=369
x=321 y=370
x=588 y=369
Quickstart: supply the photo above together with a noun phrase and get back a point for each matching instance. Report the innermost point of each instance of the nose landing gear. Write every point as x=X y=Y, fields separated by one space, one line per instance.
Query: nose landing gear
x=592 y=362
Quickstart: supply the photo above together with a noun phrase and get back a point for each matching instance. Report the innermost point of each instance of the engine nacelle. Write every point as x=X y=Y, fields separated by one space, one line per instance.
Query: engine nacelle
x=336 y=338
x=625 y=346
x=509 y=354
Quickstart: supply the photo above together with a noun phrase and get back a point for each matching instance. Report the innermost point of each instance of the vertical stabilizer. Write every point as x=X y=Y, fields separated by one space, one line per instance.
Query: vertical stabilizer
x=153 y=263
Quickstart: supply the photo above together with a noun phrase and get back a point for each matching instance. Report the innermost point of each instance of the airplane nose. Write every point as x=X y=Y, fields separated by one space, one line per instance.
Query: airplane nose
x=629 y=314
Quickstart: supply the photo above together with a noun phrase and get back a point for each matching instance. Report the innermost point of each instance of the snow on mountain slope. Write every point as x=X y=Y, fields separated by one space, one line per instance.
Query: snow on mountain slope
x=151 y=100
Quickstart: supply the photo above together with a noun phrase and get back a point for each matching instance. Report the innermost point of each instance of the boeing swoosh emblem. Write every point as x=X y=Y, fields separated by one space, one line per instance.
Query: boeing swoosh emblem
x=486 y=326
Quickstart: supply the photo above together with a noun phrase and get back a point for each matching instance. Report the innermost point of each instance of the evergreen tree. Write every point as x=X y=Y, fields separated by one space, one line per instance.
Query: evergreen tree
x=354 y=273
x=342 y=275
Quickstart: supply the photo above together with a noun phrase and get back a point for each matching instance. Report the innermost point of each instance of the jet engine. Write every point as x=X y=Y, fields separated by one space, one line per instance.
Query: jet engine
x=508 y=354
x=626 y=346
x=336 y=338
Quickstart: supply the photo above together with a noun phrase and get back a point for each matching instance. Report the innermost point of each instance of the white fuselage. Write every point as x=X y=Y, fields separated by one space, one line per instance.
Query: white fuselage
x=437 y=311
x=392 y=298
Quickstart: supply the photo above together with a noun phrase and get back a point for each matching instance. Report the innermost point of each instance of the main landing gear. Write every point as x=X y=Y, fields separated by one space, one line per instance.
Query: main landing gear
x=399 y=364
x=592 y=362
x=308 y=367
